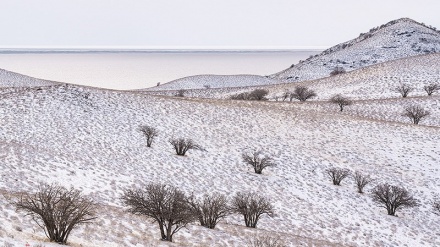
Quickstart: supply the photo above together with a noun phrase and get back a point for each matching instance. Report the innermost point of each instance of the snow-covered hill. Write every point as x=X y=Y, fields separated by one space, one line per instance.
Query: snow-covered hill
x=88 y=138
x=214 y=81
x=12 y=79
x=396 y=39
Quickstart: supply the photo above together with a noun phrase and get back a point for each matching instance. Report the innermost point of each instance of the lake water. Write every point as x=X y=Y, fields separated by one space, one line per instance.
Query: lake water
x=135 y=70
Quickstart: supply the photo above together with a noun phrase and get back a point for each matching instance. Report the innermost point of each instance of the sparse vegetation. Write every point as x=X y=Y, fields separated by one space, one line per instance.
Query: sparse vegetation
x=361 y=181
x=180 y=93
x=436 y=206
x=182 y=145
x=404 y=89
x=337 y=71
x=415 y=113
x=252 y=206
x=302 y=93
x=165 y=204
x=211 y=209
x=337 y=174
x=258 y=161
x=431 y=88
x=149 y=132
x=392 y=198
x=257 y=94
x=265 y=240
x=341 y=101
x=57 y=210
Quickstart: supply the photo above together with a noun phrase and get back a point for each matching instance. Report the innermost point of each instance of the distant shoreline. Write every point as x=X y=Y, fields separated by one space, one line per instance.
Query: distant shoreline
x=70 y=51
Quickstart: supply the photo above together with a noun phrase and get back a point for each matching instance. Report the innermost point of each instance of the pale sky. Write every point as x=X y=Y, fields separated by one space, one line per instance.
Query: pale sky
x=275 y=24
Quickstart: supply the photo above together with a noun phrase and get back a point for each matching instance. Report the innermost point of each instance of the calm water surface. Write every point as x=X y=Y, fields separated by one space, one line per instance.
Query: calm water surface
x=134 y=70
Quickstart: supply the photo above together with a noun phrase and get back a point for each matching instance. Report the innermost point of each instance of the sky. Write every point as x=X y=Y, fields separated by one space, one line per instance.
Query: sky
x=199 y=24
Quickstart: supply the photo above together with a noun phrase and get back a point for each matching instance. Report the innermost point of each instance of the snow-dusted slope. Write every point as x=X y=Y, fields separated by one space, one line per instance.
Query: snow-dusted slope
x=214 y=81
x=88 y=138
x=373 y=82
x=396 y=39
x=12 y=79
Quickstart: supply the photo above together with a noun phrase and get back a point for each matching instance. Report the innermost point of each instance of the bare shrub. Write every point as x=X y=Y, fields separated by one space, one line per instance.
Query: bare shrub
x=258 y=161
x=361 y=181
x=150 y=133
x=337 y=174
x=57 y=210
x=180 y=93
x=265 y=240
x=240 y=96
x=252 y=206
x=431 y=88
x=286 y=95
x=302 y=93
x=166 y=205
x=182 y=145
x=337 y=71
x=341 y=101
x=436 y=206
x=392 y=198
x=257 y=94
x=211 y=209
x=415 y=113
x=404 y=89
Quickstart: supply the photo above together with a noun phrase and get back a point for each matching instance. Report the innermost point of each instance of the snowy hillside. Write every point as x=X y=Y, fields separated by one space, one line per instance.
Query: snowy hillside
x=396 y=39
x=89 y=139
x=214 y=81
x=372 y=82
x=11 y=79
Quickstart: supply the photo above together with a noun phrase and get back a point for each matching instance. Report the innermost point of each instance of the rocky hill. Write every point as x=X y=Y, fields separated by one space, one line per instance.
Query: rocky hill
x=397 y=39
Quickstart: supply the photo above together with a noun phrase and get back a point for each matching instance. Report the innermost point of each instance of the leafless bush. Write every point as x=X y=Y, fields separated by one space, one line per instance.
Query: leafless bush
x=257 y=94
x=240 y=96
x=302 y=93
x=337 y=71
x=361 y=181
x=211 y=209
x=150 y=133
x=252 y=206
x=180 y=93
x=431 y=88
x=341 y=101
x=57 y=210
x=415 y=113
x=404 y=89
x=182 y=145
x=286 y=95
x=258 y=161
x=436 y=206
x=337 y=174
x=265 y=240
x=392 y=198
x=166 y=205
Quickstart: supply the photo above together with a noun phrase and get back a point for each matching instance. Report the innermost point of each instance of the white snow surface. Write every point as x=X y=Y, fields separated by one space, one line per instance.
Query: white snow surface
x=89 y=139
x=214 y=81
x=12 y=79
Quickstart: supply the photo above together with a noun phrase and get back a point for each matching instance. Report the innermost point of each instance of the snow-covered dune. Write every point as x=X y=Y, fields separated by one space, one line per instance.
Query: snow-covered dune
x=214 y=81
x=89 y=139
x=12 y=79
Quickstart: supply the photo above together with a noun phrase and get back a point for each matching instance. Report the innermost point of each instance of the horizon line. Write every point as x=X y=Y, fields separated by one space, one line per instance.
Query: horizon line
x=166 y=48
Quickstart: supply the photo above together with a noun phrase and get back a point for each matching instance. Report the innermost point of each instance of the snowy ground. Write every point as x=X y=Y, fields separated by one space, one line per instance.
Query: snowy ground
x=88 y=138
